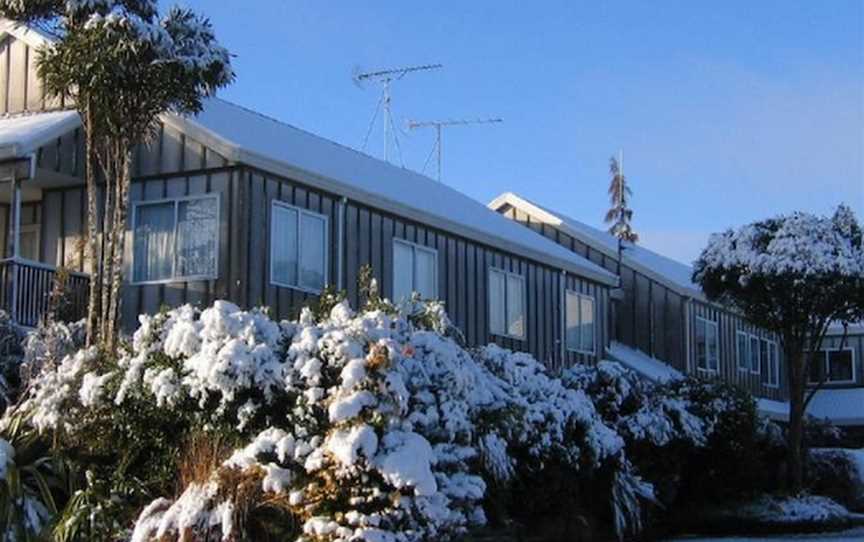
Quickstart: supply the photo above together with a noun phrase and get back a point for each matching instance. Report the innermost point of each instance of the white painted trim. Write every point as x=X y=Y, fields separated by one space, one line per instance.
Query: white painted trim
x=414 y=247
x=300 y=212
x=708 y=368
x=506 y=274
x=176 y=201
x=580 y=296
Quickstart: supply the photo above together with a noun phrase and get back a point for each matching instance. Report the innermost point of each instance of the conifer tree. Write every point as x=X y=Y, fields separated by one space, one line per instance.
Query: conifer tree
x=620 y=215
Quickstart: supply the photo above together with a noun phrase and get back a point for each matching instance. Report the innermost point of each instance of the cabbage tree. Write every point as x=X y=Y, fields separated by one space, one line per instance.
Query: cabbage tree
x=122 y=64
x=794 y=275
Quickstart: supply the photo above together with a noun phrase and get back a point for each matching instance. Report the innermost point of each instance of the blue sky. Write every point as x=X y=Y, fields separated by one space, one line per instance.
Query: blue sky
x=726 y=111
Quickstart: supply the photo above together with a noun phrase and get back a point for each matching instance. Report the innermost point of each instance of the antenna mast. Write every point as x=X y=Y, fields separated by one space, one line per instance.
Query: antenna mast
x=385 y=78
x=438 y=125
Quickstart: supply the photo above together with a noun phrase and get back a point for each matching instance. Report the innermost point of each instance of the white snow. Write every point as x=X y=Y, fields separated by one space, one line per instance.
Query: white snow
x=774 y=410
x=407 y=462
x=651 y=368
x=23 y=133
x=806 y=508
x=262 y=140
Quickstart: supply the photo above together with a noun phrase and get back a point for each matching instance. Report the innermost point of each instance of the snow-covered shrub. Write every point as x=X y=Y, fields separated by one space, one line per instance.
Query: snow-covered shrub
x=821 y=433
x=837 y=473
x=47 y=345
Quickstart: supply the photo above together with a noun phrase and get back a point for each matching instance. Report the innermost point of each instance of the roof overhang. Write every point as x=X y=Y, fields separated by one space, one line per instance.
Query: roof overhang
x=511 y=199
x=237 y=154
x=31 y=36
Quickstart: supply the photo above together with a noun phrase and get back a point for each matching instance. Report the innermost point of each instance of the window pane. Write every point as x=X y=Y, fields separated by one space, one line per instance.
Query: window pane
x=773 y=365
x=153 y=242
x=816 y=367
x=403 y=264
x=713 y=346
x=313 y=243
x=515 y=309
x=425 y=263
x=572 y=316
x=764 y=355
x=742 y=352
x=701 y=344
x=587 y=316
x=754 y=354
x=196 y=238
x=840 y=366
x=29 y=241
x=283 y=246
x=496 y=303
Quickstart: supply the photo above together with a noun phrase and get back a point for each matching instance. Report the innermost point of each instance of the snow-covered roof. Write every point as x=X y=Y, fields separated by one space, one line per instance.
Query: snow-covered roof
x=775 y=410
x=248 y=137
x=840 y=406
x=24 y=133
x=673 y=274
x=651 y=368
x=836 y=328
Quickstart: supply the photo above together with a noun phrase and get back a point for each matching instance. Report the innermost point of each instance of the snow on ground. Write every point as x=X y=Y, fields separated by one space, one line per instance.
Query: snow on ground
x=856 y=535
x=651 y=368
x=808 y=508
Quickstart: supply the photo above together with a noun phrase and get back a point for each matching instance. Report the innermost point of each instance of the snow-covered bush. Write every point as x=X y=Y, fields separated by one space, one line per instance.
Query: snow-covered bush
x=837 y=473
x=47 y=345
x=375 y=425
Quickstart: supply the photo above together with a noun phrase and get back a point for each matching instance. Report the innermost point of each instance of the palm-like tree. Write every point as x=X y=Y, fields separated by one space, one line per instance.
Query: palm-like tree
x=620 y=215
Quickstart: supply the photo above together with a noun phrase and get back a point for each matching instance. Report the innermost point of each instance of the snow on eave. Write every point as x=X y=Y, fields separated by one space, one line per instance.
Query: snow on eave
x=533 y=246
x=774 y=410
x=514 y=200
x=655 y=370
x=29 y=35
x=24 y=133
x=841 y=406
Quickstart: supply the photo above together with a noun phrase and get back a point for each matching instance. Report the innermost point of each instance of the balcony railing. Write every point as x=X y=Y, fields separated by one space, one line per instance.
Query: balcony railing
x=25 y=291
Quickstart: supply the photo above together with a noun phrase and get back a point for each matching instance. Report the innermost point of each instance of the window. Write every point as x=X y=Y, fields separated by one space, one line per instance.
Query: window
x=743 y=350
x=772 y=363
x=580 y=322
x=755 y=353
x=415 y=269
x=175 y=240
x=29 y=242
x=506 y=304
x=834 y=365
x=707 y=345
x=298 y=248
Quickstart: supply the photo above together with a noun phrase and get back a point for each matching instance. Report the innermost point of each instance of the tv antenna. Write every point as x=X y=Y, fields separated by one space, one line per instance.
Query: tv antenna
x=385 y=78
x=439 y=125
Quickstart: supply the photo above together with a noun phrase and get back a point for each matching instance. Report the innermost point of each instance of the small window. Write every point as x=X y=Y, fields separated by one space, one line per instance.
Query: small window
x=298 y=248
x=506 y=304
x=743 y=350
x=415 y=269
x=29 y=242
x=834 y=365
x=707 y=345
x=175 y=240
x=755 y=353
x=580 y=323
x=772 y=363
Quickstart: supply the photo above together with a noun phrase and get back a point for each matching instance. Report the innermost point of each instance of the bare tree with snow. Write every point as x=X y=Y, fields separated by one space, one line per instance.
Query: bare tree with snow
x=122 y=65
x=793 y=275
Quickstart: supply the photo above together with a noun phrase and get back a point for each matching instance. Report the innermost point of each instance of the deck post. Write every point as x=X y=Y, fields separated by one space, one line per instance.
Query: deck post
x=14 y=244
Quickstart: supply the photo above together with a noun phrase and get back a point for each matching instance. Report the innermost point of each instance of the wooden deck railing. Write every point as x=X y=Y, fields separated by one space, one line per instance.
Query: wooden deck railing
x=26 y=286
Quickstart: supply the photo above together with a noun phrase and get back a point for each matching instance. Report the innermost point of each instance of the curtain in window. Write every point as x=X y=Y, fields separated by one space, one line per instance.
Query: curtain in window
x=701 y=344
x=153 y=252
x=572 y=308
x=403 y=271
x=312 y=246
x=713 y=347
x=497 y=295
x=586 y=315
x=196 y=238
x=515 y=307
x=283 y=246
x=424 y=273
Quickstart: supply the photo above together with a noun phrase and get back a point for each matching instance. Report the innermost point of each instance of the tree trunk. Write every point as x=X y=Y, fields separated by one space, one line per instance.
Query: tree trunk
x=121 y=204
x=93 y=306
x=108 y=236
x=797 y=365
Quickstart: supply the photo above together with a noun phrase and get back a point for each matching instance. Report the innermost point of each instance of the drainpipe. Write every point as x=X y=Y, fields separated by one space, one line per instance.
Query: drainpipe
x=343 y=204
x=15 y=239
x=687 y=360
x=563 y=339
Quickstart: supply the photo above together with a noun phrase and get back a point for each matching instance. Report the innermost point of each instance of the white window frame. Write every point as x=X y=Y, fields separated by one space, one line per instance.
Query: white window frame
x=300 y=212
x=716 y=326
x=176 y=201
x=826 y=367
x=504 y=303
x=579 y=297
x=746 y=365
x=415 y=247
x=769 y=383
